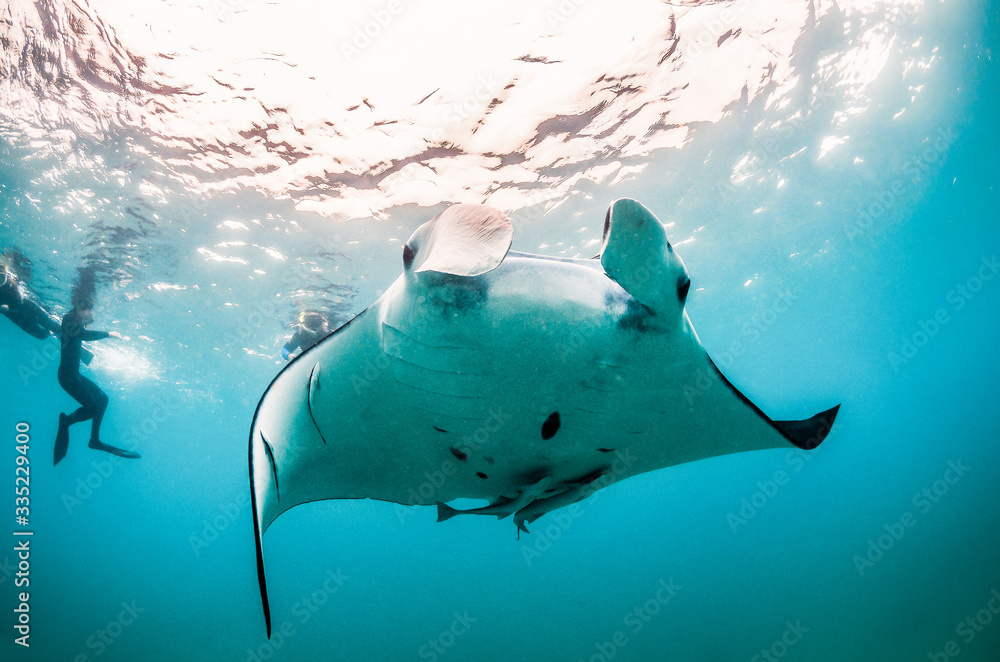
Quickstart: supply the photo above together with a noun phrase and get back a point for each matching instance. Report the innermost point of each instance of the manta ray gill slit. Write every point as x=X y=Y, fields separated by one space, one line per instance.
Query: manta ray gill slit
x=274 y=468
x=311 y=387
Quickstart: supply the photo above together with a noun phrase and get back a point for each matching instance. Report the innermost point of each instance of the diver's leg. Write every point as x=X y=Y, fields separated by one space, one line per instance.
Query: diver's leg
x=100 y=403
x=100 y=400
x=78 y=391
x=27 y=323
x=79 y=416
x=42 y=319
x=62 y=440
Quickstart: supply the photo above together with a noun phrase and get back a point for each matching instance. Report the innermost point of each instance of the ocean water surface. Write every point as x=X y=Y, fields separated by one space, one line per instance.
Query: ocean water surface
x=826 y=170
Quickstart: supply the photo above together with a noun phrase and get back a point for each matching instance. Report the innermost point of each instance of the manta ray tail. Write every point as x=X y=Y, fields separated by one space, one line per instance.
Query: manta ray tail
x=636 y=254
x=257 y=537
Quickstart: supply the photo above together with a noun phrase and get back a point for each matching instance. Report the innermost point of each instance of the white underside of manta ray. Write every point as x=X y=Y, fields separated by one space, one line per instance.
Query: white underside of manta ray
x=528 y=377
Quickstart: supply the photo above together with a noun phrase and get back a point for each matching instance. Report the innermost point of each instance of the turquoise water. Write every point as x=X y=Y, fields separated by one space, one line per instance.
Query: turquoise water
x=865 y=276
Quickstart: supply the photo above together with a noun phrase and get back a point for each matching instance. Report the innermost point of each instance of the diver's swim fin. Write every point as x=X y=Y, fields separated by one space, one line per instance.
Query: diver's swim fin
x=62 y=440
x=114 y=450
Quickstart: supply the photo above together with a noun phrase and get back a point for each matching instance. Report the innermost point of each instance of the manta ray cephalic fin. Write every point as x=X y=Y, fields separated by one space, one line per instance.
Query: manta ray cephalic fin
x=636 y=254
x=464 y=240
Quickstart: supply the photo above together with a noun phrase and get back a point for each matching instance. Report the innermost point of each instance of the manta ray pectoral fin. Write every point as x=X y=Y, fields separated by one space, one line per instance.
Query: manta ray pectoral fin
x=807 y=434
x=465 y=240
x=636 y=254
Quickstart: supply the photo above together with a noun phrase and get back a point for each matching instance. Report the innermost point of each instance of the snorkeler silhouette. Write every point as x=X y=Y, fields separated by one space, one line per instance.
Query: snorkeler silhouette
x=311 y=328
x=93 y=401
x=15 y=304
x=27 y=314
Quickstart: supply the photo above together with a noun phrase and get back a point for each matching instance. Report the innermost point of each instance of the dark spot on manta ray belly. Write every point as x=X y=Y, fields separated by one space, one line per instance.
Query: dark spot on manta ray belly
x=605 y=450
x=459 y=454
x=551 y=425
x=482 y=475
x=489 y=460
x=439 y=429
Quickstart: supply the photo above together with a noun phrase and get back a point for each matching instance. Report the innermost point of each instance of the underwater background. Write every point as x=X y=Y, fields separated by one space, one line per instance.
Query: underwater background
x=826 y=170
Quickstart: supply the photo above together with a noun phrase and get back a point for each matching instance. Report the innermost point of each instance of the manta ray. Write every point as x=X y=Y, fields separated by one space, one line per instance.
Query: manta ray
x=525 y=380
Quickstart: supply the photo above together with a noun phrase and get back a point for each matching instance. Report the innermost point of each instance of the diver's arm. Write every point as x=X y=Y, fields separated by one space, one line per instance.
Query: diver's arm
x=290 y=346
x=98 y=335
